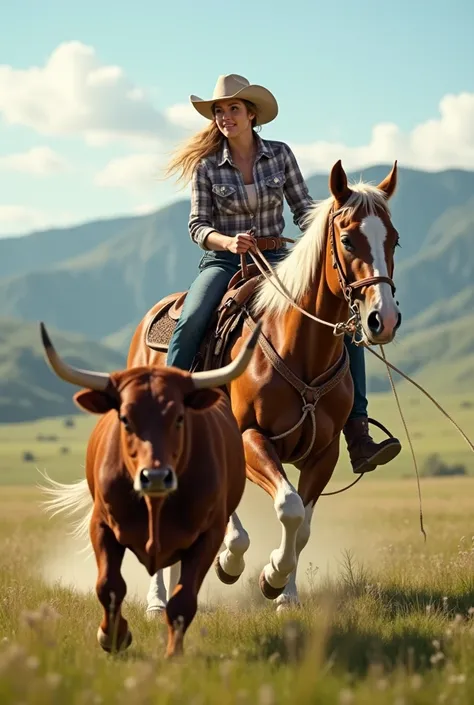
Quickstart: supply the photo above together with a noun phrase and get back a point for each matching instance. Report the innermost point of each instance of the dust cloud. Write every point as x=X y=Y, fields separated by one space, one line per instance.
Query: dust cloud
x=70 y=563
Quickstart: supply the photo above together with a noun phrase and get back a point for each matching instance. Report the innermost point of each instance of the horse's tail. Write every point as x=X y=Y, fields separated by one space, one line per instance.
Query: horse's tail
x=72 y=499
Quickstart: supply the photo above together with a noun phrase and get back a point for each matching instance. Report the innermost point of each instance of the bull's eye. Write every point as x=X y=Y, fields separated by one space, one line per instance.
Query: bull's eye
x=126 y=423
x=347 y=243
x=179 y=421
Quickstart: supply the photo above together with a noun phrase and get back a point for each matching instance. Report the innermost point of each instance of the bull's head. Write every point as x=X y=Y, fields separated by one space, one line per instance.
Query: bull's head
x=152 y=404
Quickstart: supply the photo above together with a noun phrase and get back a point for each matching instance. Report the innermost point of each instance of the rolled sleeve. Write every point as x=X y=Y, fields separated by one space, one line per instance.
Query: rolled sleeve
x=200 y=218
x=296 y=190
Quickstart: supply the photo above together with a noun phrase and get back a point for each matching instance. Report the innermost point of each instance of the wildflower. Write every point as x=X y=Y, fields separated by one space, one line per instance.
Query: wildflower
x=130 y=683
x=32 y=662
x=266 y=695
x=53 y=679
x=435 y=658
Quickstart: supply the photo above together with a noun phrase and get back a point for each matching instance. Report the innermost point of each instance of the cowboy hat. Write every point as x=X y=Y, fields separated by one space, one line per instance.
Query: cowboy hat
x=234 y=86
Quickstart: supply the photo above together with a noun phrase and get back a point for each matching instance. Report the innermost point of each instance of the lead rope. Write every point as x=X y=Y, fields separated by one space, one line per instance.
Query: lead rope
x=350 y=327
x=395 y=394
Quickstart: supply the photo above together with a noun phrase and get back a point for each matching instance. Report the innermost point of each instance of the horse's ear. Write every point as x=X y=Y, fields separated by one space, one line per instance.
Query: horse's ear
x=338 y=183
x=389 y=184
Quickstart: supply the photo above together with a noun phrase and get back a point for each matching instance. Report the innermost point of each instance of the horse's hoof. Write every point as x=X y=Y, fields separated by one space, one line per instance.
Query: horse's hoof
x=154 y=613
x=105 y=641
x=222 y=575
x=266 y=589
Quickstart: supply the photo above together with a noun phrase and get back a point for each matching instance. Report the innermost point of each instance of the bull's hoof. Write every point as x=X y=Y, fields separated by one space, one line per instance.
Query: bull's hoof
x=105 y=641
x=222 y=575
x=267 y=590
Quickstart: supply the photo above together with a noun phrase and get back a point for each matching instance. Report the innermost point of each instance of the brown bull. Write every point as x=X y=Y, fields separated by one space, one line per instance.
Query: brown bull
x=165 y=470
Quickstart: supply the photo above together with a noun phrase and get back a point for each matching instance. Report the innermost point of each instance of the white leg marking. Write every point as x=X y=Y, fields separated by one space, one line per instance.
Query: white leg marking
x=236 y=542
x=156 y=596
x=375 y=232
x=289 y=596
x=290 y=511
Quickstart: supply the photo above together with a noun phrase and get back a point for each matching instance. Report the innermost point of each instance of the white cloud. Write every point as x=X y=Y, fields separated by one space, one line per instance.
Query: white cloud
x=74 y=94
x=443 y=143
x=18 y=220
x=145 y=208
x=39 y=161
x=135 y=173
x=184 y=115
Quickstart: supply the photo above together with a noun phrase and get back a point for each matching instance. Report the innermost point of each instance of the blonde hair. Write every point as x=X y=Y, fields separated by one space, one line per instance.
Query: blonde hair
x=201 y=145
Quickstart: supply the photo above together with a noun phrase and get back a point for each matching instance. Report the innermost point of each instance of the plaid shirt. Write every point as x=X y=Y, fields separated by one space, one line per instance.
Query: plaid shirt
x=219 y=201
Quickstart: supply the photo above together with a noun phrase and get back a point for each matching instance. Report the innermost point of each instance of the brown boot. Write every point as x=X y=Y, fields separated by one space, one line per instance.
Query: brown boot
x=364 y=452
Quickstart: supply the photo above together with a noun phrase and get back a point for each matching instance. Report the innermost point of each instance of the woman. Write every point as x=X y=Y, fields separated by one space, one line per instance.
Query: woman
x=235 y=178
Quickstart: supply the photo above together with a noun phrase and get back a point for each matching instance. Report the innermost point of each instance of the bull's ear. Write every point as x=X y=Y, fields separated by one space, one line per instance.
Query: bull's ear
x=202 y=398
x=96 y=402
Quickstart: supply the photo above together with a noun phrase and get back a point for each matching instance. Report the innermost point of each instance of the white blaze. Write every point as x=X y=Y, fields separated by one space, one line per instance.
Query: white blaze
x=376 y=233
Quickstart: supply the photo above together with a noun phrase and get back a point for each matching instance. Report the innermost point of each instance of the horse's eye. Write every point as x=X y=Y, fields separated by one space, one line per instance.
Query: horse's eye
x=126 y=423
x=347 y=242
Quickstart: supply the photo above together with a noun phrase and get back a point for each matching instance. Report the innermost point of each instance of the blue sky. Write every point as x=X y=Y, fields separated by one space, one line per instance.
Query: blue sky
x=363 y=81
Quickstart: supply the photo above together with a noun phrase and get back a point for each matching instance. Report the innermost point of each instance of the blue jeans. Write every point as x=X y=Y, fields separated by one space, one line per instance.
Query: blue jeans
x=205 y=294
x=357 y=368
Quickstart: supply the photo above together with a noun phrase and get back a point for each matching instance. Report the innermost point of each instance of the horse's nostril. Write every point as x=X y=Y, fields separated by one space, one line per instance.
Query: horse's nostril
x=168 y=479
x=144 y=478
x=375 y=323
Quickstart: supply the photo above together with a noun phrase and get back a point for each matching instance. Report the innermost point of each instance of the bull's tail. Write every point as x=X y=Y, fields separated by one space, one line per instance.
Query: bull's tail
x=73 y=499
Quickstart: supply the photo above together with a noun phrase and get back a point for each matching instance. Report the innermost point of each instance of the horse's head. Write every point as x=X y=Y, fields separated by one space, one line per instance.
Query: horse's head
x=363 y=241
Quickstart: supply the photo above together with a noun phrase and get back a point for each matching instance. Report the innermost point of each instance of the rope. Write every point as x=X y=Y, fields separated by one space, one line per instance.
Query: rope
x=338 y=328
x=395 y=394
x=350 y=327
x=438 y=406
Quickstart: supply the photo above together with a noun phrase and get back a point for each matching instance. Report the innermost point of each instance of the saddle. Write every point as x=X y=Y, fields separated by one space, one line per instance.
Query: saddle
x=224 y=322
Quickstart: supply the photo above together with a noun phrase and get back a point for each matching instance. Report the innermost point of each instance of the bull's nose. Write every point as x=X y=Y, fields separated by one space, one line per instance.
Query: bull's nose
x=155 y=482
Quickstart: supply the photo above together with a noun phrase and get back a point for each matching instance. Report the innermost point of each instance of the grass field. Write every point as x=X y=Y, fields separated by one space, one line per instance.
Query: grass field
x=386 y=617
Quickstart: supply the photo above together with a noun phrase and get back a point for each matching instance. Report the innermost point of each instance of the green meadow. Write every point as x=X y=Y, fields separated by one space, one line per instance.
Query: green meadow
x=386 y=616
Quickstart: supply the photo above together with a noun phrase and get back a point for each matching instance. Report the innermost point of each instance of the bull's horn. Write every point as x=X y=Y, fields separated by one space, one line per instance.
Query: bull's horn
x=83 y=378
x=217 y=378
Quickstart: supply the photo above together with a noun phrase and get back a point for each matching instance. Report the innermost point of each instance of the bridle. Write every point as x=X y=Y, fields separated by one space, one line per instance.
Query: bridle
x=348 y=287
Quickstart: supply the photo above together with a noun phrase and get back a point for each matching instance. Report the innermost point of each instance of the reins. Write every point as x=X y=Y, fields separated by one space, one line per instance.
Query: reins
x=351 y=327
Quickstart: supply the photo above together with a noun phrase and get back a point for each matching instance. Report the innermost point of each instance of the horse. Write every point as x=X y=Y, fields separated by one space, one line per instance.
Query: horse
x=294 y=398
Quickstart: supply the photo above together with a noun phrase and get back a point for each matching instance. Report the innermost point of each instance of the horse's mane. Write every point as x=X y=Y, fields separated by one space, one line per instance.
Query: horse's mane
x=298 y=270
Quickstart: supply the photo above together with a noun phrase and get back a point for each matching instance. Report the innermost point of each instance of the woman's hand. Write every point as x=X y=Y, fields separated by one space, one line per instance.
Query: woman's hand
x=241 y=243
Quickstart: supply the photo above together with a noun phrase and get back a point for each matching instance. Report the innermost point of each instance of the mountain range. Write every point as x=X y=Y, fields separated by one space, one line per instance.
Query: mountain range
x=93 y=282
